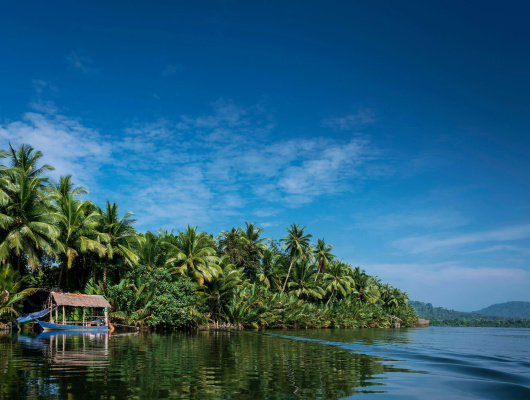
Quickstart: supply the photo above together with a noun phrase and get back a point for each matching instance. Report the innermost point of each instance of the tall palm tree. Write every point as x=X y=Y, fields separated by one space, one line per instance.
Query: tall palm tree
x=191 y=253
x=28 y=225
x=27 y=221
x=25 y=159
x=337 y=280
x=251 y=236
x=78 y=223
x=218 y=292
x=297 y=245
x=302 y=282
x=120 y=235
x=151 y=250
x=322 y=254
x=269 y=270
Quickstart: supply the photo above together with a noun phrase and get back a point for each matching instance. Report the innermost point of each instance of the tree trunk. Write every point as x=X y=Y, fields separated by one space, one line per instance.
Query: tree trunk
x=60 y=275
x=105 y=274
x=332 y=293
x=288 y=273
x=320 y=265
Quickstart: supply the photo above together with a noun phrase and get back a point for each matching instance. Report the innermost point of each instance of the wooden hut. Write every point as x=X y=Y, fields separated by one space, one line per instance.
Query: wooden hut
x=395 y=322
x=97 y=305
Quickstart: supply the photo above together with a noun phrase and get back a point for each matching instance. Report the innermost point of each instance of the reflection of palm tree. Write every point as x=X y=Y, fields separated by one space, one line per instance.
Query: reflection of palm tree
x=192 y=254
x=297 y=245
x=120 y=235
x=322 y=254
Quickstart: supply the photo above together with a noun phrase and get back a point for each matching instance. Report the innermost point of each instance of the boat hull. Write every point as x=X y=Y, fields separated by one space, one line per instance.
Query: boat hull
x=59 y=327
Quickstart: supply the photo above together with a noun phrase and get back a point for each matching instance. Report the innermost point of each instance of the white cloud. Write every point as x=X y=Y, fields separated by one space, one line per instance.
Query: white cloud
x=81 y=62
x=171 y=69
x=67 y=145
x=425 y=244
x=351 y=121
x=453 y=284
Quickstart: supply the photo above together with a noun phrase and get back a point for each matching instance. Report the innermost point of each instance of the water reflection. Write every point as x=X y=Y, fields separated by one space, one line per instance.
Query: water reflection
x=242 y=365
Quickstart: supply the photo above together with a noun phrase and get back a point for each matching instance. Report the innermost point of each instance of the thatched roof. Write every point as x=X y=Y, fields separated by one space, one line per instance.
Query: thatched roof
x=79 y=300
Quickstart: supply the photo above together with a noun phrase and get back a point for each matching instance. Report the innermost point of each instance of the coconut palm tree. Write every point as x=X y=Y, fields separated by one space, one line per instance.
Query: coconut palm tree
x=337 y=280
x=250 y=235
x=25 y=159
x=322 y=254
x=269 y=271
x=120 y=236
x=10 y=296
x=221 y=289
x=27 y=221
x=302 y=283
x=78 y=223
x=28 y=224
x=297 y=245
x=151 y=250
x=191 y=253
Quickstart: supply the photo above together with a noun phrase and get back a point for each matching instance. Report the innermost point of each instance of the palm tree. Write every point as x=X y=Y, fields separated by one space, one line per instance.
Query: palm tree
x=217 y=293
x=25 y=159
x=322 y=254
x=10 y=297
x=337 y=280
x=269 y=270
x=250 y=235
x=120 y=236
x=191 y=253
x=151 y=250
x=302 y=282
x=297 y=245
x=79 y=224
x=28 y=225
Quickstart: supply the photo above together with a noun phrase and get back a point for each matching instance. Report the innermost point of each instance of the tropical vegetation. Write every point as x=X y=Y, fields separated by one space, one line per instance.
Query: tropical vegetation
x=53 y=237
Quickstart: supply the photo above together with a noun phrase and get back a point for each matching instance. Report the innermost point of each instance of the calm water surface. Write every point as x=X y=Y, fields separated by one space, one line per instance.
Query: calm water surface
x=427 y=363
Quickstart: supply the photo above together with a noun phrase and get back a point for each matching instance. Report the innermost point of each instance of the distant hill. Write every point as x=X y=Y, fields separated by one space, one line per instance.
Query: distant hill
x=511 y=309
x=427 y=311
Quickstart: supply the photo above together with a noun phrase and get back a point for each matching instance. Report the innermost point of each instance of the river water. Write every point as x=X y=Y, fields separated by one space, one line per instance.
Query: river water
x=427 y=363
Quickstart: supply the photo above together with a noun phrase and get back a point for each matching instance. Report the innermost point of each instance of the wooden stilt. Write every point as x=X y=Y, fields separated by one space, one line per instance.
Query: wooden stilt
x=64 y=321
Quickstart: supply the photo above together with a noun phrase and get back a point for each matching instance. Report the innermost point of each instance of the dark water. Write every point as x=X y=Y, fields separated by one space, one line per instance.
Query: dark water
x=428 y=363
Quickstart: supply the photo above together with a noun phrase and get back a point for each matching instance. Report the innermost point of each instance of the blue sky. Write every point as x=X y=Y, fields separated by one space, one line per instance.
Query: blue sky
x=398 y=131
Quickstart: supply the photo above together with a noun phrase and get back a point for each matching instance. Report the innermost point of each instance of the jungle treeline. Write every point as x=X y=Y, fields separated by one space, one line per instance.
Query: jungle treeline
x=52 y=237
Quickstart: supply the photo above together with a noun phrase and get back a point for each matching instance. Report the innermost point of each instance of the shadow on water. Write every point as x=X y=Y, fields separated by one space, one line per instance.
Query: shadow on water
x=312 y=364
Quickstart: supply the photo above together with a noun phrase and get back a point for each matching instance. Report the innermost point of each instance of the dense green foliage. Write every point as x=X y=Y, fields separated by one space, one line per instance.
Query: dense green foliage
x=439 y=316
x=240 y=278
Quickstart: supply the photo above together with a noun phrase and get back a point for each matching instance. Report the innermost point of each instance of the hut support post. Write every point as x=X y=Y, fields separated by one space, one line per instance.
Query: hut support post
x=57 y=313
x=106 y=316
x=84 y=316
x=63 y=317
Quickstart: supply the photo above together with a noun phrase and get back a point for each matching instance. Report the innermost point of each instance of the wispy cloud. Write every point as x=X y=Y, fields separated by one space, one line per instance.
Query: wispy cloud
x=451 y=284
x=68 y=145
x=83 y=63
x=350 y=121
x=424 y=244
x=201 y=168
x=171 y=69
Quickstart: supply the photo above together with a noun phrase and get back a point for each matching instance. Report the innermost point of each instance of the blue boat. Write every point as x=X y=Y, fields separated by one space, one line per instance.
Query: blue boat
x=93 y=323
x=47 y=326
